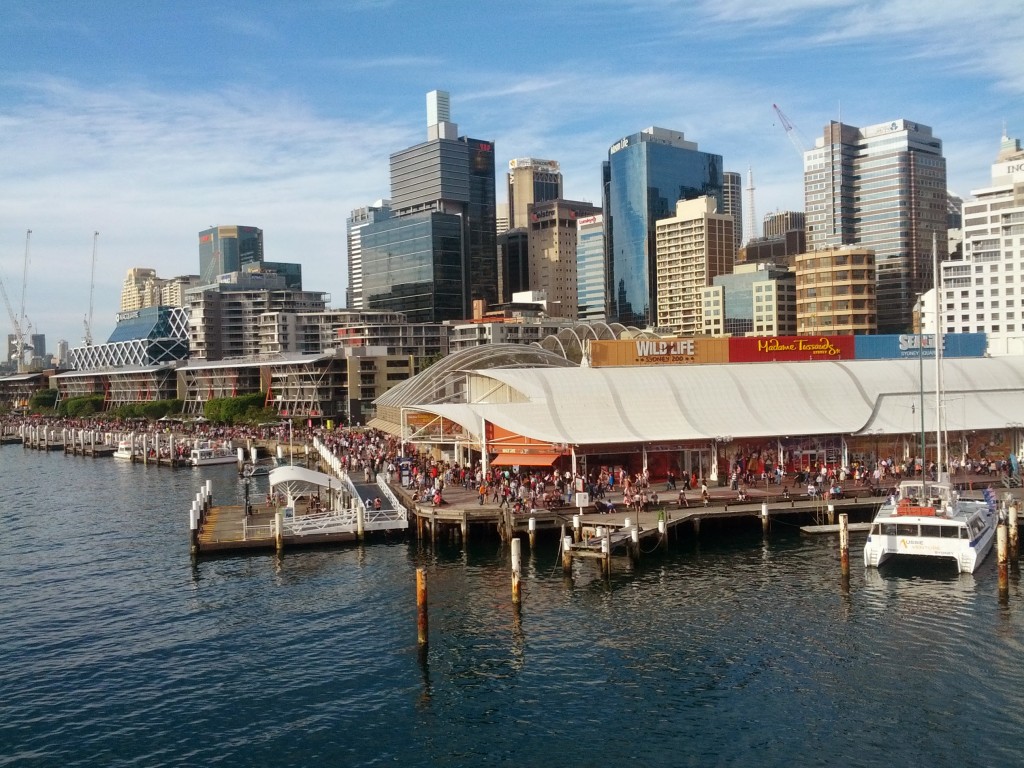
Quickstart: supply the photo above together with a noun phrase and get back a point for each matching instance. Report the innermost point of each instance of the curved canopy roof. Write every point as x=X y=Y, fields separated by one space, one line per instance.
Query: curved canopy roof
x=591 y=406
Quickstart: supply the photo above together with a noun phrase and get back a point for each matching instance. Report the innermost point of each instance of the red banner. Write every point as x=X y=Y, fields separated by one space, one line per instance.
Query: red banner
x=764 y=349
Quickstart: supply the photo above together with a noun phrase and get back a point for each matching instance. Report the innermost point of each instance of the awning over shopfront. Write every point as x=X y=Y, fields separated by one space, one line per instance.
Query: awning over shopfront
x=525 y=459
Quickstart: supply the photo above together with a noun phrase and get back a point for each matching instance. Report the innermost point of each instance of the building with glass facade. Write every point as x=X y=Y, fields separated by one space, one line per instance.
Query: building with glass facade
x=590 y=268
x=754 y=300
x=513 y=263
x=228 y=249
x=732 y=203
x=358 y=219
x=454 y=176
x=646 y=174
x=881 y=187
x=414 y=264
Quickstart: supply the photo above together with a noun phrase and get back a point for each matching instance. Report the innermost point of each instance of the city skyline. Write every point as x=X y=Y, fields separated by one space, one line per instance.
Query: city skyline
x=151 y=124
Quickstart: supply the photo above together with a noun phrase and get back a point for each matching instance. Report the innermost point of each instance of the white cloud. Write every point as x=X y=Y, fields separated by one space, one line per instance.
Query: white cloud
x=149 y=170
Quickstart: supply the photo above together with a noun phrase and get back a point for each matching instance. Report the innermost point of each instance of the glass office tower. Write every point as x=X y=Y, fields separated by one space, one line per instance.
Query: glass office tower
x=648 y=172
x=228 y=249
x=413 y=264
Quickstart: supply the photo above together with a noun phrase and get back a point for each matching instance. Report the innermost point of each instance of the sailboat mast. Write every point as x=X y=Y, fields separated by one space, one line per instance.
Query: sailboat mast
x=938 y=360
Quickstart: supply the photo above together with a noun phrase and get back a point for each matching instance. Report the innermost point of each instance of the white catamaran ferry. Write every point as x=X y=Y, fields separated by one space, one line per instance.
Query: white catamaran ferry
x=929 y=519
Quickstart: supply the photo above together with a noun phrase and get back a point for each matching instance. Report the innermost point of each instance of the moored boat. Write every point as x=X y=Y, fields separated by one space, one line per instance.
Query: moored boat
x=124 y=450
x=929 y=519
x=206 y=453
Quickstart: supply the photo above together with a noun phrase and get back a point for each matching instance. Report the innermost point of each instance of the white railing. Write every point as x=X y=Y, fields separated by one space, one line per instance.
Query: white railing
x=343 y=521
x=256 y=531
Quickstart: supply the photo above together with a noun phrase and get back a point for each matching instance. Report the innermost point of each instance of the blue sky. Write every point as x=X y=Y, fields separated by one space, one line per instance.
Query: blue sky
x=151 y=121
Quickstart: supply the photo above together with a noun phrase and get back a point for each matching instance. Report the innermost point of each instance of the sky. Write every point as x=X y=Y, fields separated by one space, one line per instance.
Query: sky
x=148 y=122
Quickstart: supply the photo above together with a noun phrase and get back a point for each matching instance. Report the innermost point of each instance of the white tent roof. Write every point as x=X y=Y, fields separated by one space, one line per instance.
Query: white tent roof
x=299 y=478
x=588 y=406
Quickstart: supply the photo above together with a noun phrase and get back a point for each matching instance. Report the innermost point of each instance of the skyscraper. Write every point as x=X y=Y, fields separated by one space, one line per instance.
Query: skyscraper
x=552 y=252
x=978 y=294
x=693 y=247
x=646 y=174
x=732 y=203
x=530 y=181
x=228 y=249
x=358 y=219
x=881 y=187
x=590 y=268
x=454 y=176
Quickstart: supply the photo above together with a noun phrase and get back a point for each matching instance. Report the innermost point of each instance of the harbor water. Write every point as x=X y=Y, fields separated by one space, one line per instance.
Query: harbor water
x=730 y=649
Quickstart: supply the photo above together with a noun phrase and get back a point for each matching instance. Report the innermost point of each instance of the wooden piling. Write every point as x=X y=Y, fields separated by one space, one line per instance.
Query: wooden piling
x=606 y=551
x=696 y=526
x=532 y=527
x=634 y=539
x=844 y=541
x=361 y=522
x=421 y=607
x=663 y=534
x=1014 y=540
x=517 y=545
x=465 y=528
x=1002 y=556
x=566 y=551
x=764 y=518
x=577 y=528
x=279 y=531
x=831 y=514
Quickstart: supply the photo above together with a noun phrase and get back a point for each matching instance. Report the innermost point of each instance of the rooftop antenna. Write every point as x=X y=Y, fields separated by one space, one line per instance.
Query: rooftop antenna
x=751 y=218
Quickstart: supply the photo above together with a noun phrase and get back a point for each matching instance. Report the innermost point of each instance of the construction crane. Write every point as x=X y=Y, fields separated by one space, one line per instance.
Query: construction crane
x=22 y=343
x=19 y=337
x=794 y=135
x=92 y=288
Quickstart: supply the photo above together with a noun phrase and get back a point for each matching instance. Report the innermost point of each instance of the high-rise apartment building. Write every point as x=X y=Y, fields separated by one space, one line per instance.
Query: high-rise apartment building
x=224 y=317
x=835 y=291
x=172 y=292
x=984 y=292
x=732 y=203
x=881 y=187
x=530 y=181
x=590 y=269
x=228 y=249
x=446 y=176
x=141 y=288
x=693 y=247
x=552 y=252
x=645 y=175
x=358 y=219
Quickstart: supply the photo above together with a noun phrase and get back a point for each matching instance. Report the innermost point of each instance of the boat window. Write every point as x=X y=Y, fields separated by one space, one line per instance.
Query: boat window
x=934 y=531
x=906 y=529
x=889 y=529
x=950 y=531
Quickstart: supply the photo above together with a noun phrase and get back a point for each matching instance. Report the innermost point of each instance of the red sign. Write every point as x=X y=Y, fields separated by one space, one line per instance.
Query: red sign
x=762 y=349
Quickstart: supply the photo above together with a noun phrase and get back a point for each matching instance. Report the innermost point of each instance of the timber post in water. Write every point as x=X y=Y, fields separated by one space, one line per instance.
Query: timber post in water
x=1002 y=555
x=844 y=541
x=517 y=565
x=532 y=527
x=1014 y=540
x=421 y=606
x=764 y=518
